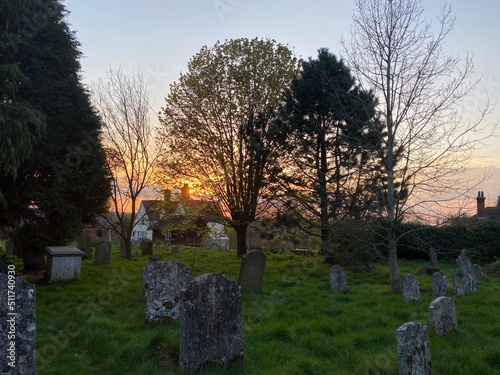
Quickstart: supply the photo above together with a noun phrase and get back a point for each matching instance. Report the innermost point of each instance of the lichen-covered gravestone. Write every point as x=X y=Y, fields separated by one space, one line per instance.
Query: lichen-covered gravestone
x=469 y=282
x=414 y=355
x=252 y=269
x=211 y=325
x=102 y=252
x=443 y=315
x=439 y=284
x=17 y=326
x=162 y=284
x=410 y=288
x=338 y=279
x=433 y=257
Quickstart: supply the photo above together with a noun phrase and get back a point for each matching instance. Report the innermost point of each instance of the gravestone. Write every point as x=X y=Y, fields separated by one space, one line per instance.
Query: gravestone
x=123 y=250
x=102 y=252
x=439 y=284
x=465 y=268
x=460 y=283
x=252 y=269
x=84 y=243
x=338 y=279
x=443 y=315
x=146 y=247
x=410 y=288
x=479 y=271
x=414 y=355
x=162 y=284
x=433 y=257
x=211 y=325
x=17 y=326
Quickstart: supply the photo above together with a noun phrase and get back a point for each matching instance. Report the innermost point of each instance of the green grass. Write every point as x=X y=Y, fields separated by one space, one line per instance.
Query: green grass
x=294 y=325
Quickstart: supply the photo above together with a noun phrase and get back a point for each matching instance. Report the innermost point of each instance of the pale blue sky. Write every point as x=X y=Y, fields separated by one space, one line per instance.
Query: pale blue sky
x=158 y=37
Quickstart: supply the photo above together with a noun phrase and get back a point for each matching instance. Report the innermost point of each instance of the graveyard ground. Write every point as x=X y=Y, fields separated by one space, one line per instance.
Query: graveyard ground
x=294 y=325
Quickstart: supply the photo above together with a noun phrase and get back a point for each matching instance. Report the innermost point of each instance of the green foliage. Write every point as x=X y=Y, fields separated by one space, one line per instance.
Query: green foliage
x=63 y=183
x=294 y=325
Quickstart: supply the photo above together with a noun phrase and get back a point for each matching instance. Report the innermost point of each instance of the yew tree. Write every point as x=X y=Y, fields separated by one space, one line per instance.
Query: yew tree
x=221 y=125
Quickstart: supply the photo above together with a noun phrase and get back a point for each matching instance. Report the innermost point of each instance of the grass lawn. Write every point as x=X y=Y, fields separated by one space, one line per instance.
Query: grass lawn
x=294 y=325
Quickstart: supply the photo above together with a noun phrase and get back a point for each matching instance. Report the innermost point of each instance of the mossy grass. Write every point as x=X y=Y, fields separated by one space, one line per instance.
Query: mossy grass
x=294 y=325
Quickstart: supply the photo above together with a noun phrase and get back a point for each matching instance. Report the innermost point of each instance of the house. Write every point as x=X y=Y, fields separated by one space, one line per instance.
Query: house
x=486 y=213
x=180 y=219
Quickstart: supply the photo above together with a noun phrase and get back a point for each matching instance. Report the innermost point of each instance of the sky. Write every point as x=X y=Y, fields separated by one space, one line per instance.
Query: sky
x=158 y=37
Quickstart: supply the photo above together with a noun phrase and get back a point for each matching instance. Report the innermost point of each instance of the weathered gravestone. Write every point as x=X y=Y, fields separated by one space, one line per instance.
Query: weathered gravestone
x=252 y=269
x=146 y=247
x=338 y=279
x=479 y=271
x=465 y=281
x=63 y=263
x=84 y=243
x=211 y=325
x=439 y=284
x=433 y=257
x=162 y=284
x=414 y=355
x=410 y=288
x=17 y=326
x=102 y=252
x=443 y=315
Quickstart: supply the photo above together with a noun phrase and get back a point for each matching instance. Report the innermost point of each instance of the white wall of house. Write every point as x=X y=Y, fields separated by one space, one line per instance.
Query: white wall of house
x=141 y=225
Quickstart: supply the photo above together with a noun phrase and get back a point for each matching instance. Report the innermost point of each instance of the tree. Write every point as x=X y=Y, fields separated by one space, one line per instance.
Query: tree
x=20 y=123
x=132 y=155
x=63 y=184
x=221 y=124
x=333 y=141
x=426 y=142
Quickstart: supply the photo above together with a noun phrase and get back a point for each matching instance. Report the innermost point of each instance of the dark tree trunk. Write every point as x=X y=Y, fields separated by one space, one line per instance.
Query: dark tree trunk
x=241 y=239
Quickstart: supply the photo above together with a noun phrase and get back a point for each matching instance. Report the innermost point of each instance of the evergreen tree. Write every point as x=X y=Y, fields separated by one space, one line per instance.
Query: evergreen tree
x=64 y=183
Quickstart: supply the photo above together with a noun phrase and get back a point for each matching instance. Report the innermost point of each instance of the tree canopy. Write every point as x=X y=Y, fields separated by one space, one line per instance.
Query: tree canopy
x=221 y=124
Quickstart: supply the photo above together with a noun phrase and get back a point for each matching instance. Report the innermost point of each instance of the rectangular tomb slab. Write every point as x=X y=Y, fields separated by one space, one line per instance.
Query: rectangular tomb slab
x=63 y=263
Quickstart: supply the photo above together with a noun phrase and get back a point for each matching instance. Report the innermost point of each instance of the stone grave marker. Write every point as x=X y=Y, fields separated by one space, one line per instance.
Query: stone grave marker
x=466 y=268
x=414 y=355
x=338 y=279
x=123 y=250
x=460 y=283
x=211 y=325
x=18 y=352
x=439 y=284
x=443 y=315
x=162 y=284
x=63 y=263
x=84 y=243
x=479 y=271
x=102 y=252
x=146 y=247
x=433 y=257
x=252 y=269
x=410 y=288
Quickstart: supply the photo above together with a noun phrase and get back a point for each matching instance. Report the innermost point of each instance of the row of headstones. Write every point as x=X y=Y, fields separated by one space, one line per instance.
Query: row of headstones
x=208 y=308
x=103 y=249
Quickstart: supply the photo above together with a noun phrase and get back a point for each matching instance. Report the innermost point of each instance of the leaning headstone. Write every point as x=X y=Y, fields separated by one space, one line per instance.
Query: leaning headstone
x=18 y=326
x=433 y=257
x=252 y=270
x=146 y=247
x=162 y=284
x=414 y=355
x=338 y=279
x=443 y=315
x=467 y=269
x=211 y=325
x=439 y=284
x=102 y=252
x=410 y=288
x=460 y=283
x=479 y=271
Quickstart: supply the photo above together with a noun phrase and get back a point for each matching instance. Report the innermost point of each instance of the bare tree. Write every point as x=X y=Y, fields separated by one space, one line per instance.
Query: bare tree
x=427 y=142
x=123 y=104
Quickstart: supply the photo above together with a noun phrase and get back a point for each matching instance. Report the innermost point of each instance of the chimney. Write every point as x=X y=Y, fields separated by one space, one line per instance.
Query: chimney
x=185 y=192
x=480 y=205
